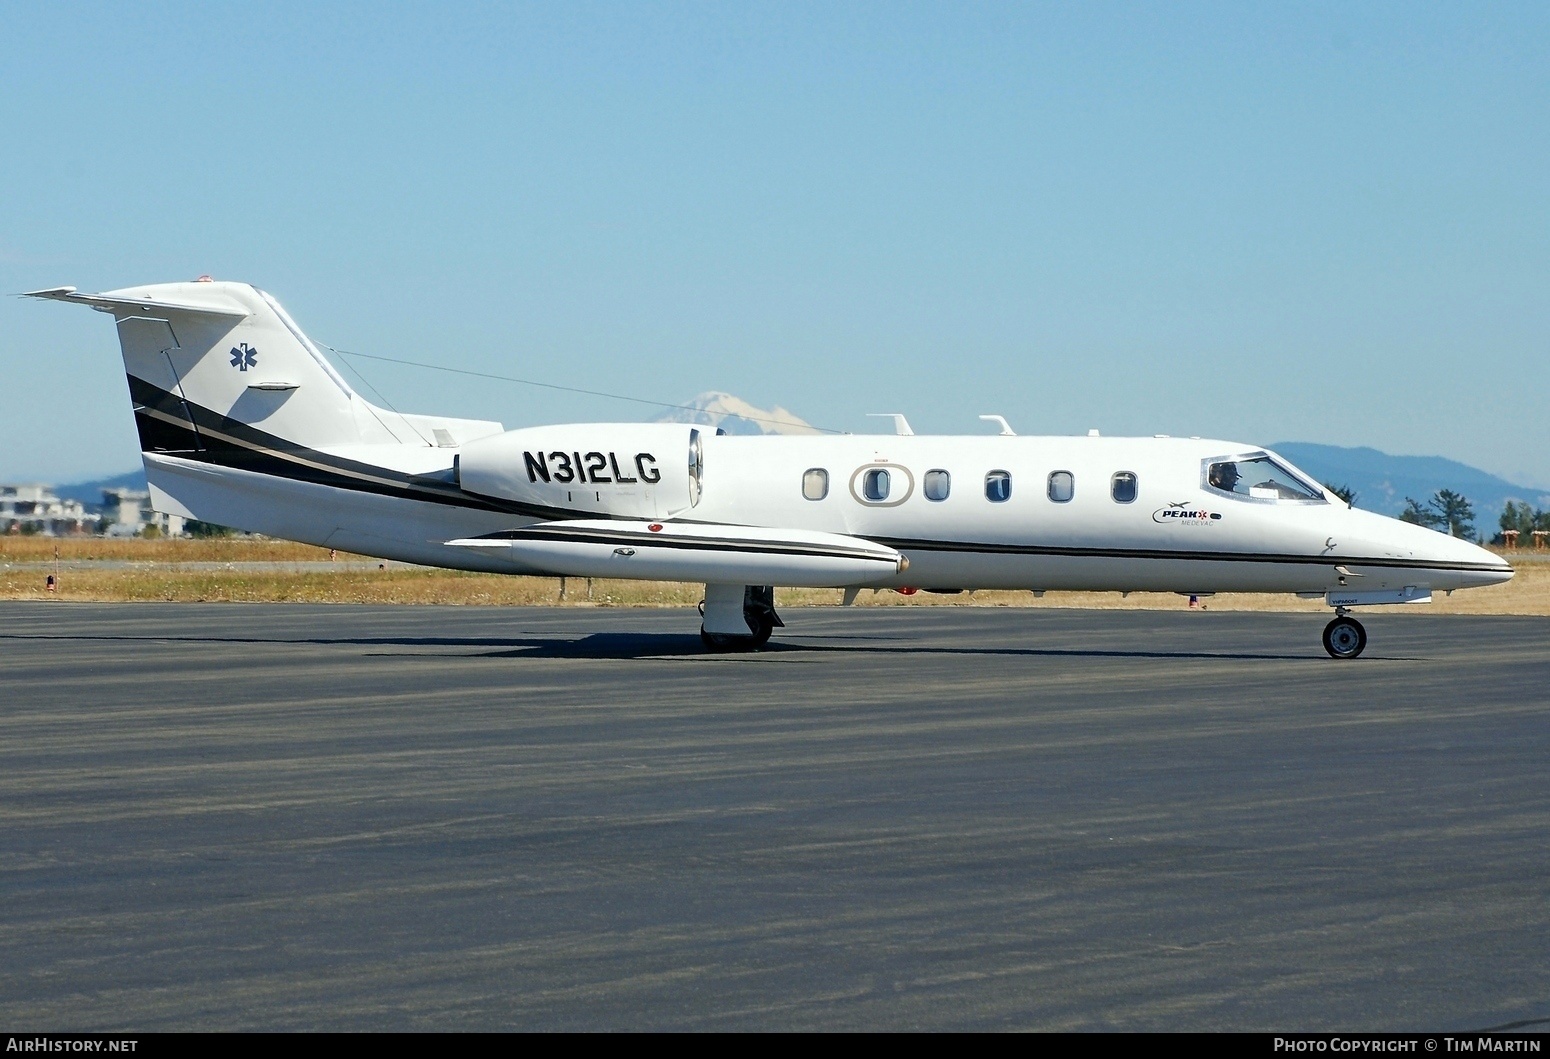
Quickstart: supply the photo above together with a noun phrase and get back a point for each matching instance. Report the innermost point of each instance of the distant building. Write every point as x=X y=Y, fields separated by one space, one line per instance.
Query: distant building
x=128 y=512
x=34 y=508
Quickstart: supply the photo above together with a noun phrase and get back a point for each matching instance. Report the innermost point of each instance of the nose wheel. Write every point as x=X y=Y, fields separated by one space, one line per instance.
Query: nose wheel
x=1344 y=637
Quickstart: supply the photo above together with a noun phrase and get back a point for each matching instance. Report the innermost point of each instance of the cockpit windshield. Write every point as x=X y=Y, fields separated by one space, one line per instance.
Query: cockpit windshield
x=1259 y=476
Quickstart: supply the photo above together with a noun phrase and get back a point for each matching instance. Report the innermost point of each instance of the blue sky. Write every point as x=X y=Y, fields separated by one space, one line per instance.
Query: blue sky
x=1327 y=223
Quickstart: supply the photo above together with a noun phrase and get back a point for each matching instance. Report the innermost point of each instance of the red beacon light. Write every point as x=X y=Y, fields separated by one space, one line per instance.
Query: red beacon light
x=655 y=527
x=204 y=279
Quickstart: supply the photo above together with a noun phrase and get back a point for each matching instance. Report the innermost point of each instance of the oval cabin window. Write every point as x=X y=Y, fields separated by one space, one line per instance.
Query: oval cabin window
x=1123 y=488
x=998 y=487
x=815 y=484
x=874 y=485
x=937 y=485
x=1062 y=486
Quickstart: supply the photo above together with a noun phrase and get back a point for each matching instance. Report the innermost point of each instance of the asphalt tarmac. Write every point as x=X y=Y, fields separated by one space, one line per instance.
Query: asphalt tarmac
x=343 y=817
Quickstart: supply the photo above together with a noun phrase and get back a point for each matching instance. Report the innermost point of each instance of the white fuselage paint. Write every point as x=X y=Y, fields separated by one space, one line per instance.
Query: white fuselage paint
x=965 y=541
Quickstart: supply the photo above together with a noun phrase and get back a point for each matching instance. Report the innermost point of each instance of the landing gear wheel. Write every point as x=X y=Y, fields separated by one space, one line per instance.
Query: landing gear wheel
x=1344 y=638
x=724 y=644
x=724 y=605
x=757 y=604
x=761 y=635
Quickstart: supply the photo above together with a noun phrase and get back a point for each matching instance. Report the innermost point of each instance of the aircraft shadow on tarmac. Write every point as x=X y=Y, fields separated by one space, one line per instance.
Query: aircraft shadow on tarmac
x=641 y=646
x=627 y=646
x=670 y=645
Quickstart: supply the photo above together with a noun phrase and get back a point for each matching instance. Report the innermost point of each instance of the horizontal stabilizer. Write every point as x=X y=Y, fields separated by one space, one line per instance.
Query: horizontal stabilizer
x=714 y=554
x=125 y=302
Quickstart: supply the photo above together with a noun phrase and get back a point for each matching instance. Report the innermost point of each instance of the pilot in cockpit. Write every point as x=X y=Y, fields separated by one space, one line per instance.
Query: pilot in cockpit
x=1223 y=476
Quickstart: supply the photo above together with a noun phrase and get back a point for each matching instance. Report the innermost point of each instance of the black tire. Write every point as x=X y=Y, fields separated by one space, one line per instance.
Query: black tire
x=761 y=635
x=722 y=643
x=758 y=612
x=1345 y=638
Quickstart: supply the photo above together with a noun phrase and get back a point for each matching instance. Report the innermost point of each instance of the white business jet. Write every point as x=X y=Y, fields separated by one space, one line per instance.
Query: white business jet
x=243 y=422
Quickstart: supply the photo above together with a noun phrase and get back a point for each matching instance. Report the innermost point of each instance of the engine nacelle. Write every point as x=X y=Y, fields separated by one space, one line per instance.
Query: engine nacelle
x=624 y=470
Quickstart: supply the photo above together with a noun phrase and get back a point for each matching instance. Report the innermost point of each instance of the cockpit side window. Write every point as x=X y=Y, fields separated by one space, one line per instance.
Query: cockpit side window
x=1259 y=476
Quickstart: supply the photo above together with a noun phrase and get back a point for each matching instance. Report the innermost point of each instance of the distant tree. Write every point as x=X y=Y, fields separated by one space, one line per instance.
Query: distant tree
x=1517 y=516
x=1446 y=511
x=1344 y=492
x=1419 y=514
x=194 y=528
x=150 y=530
x=1458 y=515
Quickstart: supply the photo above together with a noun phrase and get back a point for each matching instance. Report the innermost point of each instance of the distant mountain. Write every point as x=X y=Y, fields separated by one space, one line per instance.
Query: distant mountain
x=736 y=416
x=90 y=493
x=1382 y=481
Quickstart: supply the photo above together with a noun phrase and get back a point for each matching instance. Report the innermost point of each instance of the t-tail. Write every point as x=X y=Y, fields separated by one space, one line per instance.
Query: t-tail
x=220 y=375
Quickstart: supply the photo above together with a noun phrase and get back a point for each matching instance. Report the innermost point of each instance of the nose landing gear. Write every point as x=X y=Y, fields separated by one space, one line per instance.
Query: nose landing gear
x=1344 y=637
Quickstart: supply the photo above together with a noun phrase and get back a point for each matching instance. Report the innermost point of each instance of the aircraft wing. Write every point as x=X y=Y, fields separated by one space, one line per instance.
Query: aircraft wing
x=710 y=553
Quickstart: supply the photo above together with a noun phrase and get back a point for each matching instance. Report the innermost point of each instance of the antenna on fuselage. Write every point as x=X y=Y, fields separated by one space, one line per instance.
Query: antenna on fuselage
x=1006 y=428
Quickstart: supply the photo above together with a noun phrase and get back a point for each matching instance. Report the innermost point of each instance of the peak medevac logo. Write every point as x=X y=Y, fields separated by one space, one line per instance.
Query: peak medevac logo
x=1181 y=514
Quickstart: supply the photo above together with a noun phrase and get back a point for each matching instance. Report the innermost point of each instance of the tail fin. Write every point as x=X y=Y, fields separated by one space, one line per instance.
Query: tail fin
x=206 y=359
x=244 y=423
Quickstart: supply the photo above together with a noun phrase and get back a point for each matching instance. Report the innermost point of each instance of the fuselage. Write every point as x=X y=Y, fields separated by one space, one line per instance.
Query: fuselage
x=990 y=519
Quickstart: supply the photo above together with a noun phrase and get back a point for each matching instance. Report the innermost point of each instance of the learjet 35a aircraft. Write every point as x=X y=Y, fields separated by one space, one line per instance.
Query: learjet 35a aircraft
x=243 y=422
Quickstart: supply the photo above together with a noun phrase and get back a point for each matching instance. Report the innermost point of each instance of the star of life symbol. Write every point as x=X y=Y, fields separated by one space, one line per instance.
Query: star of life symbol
x=244 y=357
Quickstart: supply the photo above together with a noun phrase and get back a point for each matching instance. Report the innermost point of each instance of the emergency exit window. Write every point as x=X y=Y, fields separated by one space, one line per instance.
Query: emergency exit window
x=998 y=487
x=875 y=485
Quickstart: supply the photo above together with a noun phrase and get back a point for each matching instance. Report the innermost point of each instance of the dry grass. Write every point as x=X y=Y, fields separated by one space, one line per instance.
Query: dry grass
x=18 y=549
x=160 y=576
x=169 y=583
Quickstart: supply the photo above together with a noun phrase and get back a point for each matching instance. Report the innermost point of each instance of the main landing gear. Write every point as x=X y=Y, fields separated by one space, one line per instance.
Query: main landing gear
x=738 y=617
x=1344 y=637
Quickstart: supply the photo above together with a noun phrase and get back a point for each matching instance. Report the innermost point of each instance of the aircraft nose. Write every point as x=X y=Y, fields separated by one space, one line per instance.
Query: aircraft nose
x=1473 y=565
x=1496 y=571
x=1444 y=562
